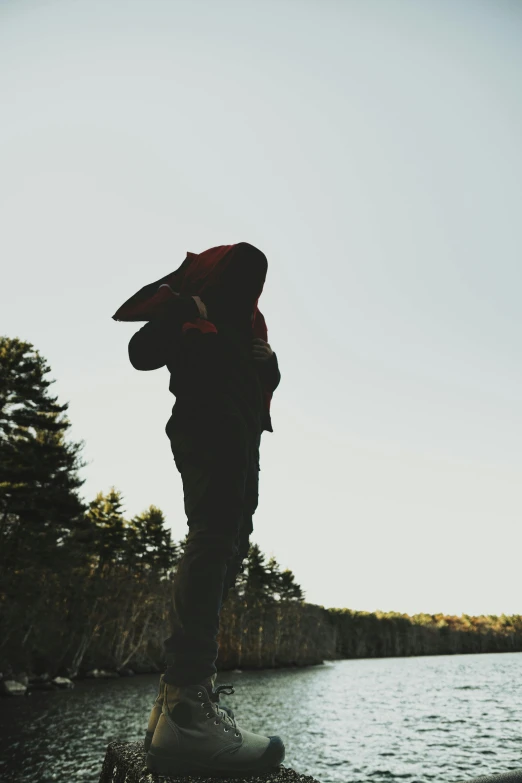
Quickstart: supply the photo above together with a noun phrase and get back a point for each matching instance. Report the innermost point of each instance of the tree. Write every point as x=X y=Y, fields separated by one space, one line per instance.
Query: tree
x=109 y=544
x=39 y=501
x=40 y=509
x=289 y=590
x=151 y=543
x=282 y=583
x=257 y=578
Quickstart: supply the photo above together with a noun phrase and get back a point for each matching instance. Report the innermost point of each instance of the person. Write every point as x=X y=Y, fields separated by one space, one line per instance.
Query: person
x=204 y=325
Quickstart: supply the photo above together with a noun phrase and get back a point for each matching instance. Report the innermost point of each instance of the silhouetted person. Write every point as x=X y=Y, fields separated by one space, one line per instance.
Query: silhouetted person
x=205 y=326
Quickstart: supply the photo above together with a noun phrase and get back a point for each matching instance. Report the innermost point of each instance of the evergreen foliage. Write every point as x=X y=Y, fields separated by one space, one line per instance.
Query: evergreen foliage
x=39 y=503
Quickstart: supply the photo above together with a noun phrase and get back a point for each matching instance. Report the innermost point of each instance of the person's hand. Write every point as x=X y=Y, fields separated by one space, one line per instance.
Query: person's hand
x=201 y=307
x=261 y=350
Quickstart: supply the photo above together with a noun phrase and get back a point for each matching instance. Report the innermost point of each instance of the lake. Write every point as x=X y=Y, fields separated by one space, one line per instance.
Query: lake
x=446 y=717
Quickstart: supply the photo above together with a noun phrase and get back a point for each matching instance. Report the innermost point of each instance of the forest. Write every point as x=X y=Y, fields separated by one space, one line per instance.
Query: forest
x=82 y=586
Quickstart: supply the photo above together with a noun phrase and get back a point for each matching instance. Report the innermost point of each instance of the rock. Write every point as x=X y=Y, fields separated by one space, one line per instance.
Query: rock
x=237 y=671
x=23 y=678
x=125 y=761
x=102 y=674
x=515 y=776
x=12 y=688
x=125 y=672
x=63 y=683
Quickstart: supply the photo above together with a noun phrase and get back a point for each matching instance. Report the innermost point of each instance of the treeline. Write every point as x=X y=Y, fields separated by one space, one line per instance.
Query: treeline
x=388 y=634
x=82 y=586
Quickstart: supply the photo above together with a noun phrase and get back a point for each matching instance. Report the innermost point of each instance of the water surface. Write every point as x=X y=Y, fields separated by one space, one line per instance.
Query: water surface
x=446 y=717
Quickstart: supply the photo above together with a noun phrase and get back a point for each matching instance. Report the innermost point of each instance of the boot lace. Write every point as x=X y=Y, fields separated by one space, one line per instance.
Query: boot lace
x=216 y=712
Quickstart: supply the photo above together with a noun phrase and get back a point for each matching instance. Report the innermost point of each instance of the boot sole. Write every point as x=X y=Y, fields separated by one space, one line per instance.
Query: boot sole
x=161 y=763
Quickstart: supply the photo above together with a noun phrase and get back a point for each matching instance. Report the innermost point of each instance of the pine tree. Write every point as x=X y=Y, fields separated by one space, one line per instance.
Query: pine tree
x=40 y=509
x=257 y=579
x=274 y=576
x=39 y=502
x=150 y=544
x=109 y=535
x=289 y=590
x=282 y=583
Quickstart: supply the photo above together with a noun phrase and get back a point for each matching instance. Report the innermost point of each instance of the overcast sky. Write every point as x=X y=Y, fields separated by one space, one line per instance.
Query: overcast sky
x=371 y=149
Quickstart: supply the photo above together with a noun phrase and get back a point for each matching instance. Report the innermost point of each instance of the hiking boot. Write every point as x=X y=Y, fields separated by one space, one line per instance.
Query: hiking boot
x=158 y=704
x=194 y=736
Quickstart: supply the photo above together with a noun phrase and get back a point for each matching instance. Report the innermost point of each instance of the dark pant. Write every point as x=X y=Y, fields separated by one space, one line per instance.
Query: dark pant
x=220 y=472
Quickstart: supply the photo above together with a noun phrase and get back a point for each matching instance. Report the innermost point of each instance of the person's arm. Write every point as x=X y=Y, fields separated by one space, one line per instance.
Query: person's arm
x=149 y=347
x=267 y=364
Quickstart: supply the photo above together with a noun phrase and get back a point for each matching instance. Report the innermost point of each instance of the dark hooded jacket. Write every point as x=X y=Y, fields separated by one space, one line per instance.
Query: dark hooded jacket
x=212 y=373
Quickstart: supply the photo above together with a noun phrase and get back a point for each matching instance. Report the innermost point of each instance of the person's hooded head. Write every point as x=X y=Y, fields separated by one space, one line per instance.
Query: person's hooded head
x=233 y=287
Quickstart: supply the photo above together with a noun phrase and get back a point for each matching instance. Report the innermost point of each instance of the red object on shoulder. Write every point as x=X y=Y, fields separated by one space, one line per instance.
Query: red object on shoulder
x=198 y=272
x=201 y=324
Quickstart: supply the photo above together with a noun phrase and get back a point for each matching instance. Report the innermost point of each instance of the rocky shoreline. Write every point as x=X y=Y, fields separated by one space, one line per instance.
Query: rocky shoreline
x=24 y=684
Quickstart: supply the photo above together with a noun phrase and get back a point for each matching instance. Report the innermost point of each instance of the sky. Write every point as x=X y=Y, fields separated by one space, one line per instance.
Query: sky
x=372 y=151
